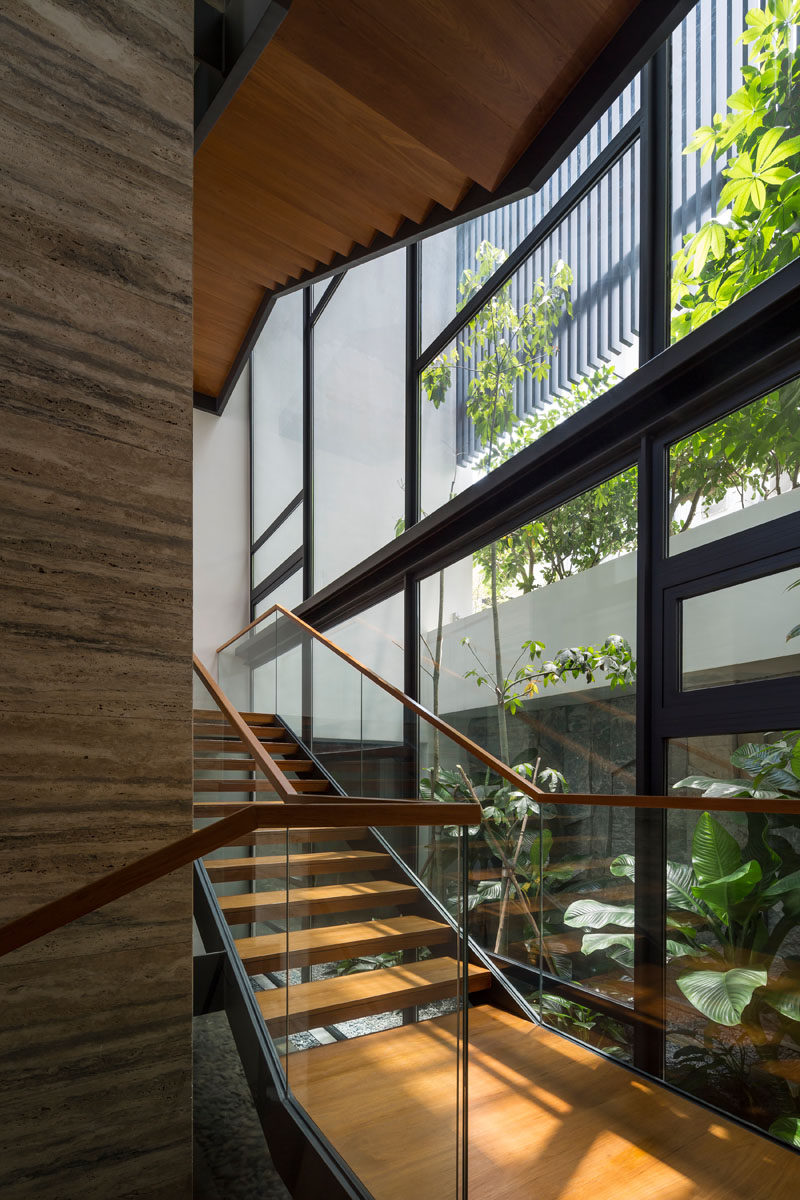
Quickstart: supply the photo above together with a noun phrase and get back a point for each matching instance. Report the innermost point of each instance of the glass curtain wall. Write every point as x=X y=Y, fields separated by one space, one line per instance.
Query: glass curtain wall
x=631 y=624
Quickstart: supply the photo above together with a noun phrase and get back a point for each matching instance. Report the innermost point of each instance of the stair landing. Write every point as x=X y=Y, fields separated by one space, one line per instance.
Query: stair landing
x=547 y=1118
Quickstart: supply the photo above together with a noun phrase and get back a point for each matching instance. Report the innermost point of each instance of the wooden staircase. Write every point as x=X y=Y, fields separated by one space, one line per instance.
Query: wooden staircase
x=347 y=899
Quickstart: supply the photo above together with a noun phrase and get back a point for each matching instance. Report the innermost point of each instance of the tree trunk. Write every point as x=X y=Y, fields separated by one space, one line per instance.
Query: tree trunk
x=502 y=727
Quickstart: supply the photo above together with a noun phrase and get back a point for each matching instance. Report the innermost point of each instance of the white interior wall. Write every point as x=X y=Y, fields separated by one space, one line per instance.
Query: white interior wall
x=222 y=523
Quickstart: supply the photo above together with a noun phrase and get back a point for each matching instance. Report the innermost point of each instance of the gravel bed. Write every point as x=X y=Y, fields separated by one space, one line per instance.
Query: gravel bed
x=231 y=1157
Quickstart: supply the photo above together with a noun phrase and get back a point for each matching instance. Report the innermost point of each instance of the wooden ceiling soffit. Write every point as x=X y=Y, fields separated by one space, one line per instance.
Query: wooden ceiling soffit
x=364 y=125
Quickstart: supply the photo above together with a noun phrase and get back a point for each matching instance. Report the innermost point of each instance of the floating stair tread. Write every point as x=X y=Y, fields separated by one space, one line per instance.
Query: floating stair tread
x=224 y=764
x=220 y=729
x=338 y=862
x=326 y=1001
x=259 y=785
x=310 y=901
x=317 y=833
x=234 y=746
x=308 y=947
x=250 y=718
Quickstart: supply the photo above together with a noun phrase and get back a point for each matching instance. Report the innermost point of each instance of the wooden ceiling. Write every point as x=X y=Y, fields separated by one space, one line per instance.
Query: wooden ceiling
x=360 y=115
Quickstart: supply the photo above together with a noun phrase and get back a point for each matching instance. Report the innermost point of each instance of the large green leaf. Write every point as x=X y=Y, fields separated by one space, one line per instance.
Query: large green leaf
x=618 y=945
x=680 y=880
x=592 y=914
x=715 y=852
x=722 y=996
x=624 y=865
x=722 y=894
x=786 y=1002
x=787 y=1129
x=780 y=887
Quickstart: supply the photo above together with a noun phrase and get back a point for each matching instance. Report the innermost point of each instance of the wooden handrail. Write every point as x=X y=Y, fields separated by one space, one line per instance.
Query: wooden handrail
x=694 y=803
x=253 y=815
x=494 y=764
x=265 y=763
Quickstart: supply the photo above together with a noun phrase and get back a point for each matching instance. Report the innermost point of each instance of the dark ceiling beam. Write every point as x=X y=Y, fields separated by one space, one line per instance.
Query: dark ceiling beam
x=634 y=44
x=228 y=41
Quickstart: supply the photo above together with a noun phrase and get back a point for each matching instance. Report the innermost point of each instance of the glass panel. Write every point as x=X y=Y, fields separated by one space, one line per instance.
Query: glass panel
x=225 y=779
x=289 y=594
x=735 y=120
x=402 y=1014
x=278 y=412
x=375 y=638
x=446 y=255
x=743 y=632
x=559 y=334
x=558 y=639
x=737 y=472
x=733 y=966
x=359 y=417
x=277 y=548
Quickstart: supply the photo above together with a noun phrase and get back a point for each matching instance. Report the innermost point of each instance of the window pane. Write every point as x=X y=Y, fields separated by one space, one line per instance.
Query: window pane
x=734 y=110
x=733 y=963
x=565 y=611
x=359 y=417
x=446 y=255
x=287 y=538
x=358 y=727
x=739 y=633
x=560 y=333
x=278 y=412
x=738 y=472
x=289 y=594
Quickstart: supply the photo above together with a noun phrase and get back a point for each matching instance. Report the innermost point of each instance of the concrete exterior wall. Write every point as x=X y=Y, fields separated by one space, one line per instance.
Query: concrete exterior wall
x=95 y=572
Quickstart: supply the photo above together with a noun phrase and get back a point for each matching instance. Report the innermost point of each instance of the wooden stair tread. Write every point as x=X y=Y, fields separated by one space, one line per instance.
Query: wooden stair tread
x=339 y=862
x=212 y=715
x=308 y=947
x=221 y=729
x=259 y=785
x=316 y=833
x=325 y=1001
x=234 y=746
x=310 y=901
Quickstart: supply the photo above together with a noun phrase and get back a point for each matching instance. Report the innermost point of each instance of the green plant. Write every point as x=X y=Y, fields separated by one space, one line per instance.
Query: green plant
x=613 y=660
x=500 y=346
x=730 y=912
x=757 y=229
x=598 y=1030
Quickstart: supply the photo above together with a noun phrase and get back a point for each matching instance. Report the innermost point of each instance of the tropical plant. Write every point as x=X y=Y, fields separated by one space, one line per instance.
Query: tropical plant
x=751 y=454
x=757 y=227
x=500 y=346
x=599 y=1030
x=613 y=661
x=731 y=910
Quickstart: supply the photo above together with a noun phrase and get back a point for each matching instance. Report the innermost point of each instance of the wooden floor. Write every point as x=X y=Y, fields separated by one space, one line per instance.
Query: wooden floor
x=548 y=1120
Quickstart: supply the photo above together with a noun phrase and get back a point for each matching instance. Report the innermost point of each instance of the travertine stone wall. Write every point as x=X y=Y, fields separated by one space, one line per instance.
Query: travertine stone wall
x=95 y=589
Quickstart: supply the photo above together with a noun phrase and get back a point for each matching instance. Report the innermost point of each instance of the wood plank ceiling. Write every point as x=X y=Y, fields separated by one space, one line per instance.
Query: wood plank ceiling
x=358 y=115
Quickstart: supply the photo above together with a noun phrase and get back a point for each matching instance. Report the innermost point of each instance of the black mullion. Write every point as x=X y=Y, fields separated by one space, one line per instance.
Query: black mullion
x=650 y=824
x=290 y=566
x=413 y=447
x=735 y=558
x=276 y=524
x=655 y=207
x=251 y=465
x=615 y=149
x=325 y=298
x=308 y=446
